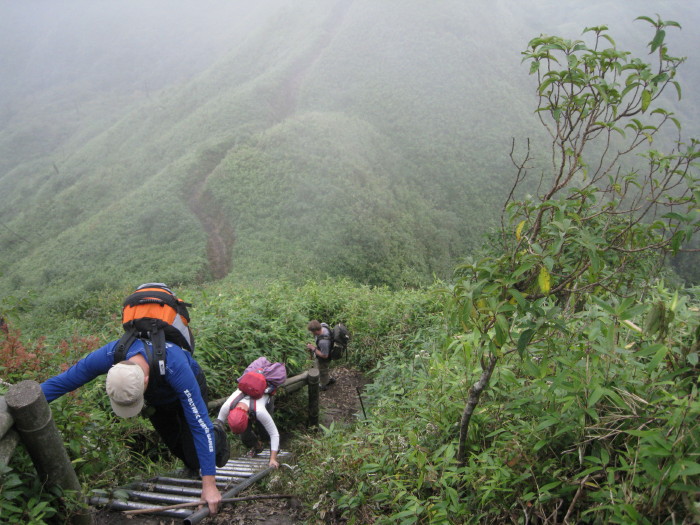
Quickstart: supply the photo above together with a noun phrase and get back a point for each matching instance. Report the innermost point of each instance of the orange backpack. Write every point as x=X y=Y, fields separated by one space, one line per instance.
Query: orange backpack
x=154 y=312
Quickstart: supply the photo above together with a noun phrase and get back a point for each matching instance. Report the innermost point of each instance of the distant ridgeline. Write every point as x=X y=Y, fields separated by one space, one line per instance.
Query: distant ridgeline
x=342 y=139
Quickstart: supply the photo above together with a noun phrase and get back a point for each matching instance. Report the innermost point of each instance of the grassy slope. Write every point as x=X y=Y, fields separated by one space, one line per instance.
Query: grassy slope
x=393 y=150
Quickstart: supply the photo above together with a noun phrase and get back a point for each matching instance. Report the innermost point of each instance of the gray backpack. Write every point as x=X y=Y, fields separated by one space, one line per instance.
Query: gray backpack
x=339 y=338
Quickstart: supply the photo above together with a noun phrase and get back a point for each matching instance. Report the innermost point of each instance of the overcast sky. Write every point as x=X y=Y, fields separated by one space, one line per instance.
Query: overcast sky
x=100 y=45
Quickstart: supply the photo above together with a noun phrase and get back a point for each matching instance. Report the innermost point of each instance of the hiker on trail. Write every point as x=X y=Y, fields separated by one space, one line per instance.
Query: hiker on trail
x=250 y=406
x=321 y=351
x=147 y=368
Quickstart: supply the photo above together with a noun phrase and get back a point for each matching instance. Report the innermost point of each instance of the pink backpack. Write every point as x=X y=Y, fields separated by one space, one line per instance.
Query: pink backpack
x=250 y=383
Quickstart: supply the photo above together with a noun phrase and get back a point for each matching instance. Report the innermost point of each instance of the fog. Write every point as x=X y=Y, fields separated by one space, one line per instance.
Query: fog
x=99 y=97
x=85 y=58
x=109 y=45
x=116 y=45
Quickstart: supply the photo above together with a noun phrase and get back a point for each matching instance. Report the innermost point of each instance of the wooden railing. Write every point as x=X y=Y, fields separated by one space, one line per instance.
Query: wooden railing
x=8 y=436
x=26 y=417
x=309 y=378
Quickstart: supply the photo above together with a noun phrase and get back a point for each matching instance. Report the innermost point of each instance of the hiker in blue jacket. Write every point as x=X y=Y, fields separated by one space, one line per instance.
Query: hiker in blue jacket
x=176 y=403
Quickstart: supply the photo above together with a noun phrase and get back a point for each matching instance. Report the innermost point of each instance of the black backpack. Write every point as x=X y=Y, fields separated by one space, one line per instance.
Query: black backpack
x=339 y=338
x=155 y=313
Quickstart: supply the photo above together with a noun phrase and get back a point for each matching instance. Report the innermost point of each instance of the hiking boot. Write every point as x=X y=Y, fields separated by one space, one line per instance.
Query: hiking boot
x=257 y=449
x=330 y=382
x=253 y=452
x=223 y=451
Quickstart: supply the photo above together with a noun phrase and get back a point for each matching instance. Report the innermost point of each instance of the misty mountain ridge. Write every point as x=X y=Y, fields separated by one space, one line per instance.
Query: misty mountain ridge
x=297 y=140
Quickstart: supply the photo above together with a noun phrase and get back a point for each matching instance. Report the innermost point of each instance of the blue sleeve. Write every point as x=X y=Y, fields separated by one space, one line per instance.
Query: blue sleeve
x=181 y=378
x=88 y=368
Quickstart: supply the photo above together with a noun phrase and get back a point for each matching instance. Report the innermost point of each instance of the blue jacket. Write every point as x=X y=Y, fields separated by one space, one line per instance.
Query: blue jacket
x=179 y=384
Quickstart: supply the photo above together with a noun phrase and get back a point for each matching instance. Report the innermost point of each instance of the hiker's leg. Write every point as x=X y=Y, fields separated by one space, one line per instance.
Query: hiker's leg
x=223 y=450
x=322 y=365
x=170 y=423
x=203 y=388
x=249 y=437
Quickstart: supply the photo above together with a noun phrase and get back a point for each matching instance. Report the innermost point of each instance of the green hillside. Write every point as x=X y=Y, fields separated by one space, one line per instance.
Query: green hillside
x=294 y=140
x=529 y=356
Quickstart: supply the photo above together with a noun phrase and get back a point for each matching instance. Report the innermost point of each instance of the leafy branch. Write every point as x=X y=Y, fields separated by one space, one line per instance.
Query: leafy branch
x=600 y=223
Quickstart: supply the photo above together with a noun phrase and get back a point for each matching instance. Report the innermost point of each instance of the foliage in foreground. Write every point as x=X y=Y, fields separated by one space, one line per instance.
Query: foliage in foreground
x=575 y=374
x=600 y=425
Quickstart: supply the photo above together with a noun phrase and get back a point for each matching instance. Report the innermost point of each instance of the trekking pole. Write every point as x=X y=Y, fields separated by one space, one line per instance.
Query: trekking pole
x=357 y=388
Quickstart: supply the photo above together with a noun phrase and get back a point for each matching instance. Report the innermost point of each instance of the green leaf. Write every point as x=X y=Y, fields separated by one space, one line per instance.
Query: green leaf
x=520 y=298
x=658 y=40
x=524 y=340
x=549 y=486
x=658 y=357
x=648 y=350
x=678 y=89
x=604 y=305
x=527 y=266
x=646 y=99
x=597 y=393
x=544 y=280
x=547 y=423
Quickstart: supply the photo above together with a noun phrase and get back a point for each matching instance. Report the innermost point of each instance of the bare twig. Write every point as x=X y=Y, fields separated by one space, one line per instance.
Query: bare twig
x=472 y=402
x=573 y=501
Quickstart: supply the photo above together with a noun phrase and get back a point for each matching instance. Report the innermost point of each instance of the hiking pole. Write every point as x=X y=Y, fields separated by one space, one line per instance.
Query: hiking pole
x=361 y=403
x=196 y=503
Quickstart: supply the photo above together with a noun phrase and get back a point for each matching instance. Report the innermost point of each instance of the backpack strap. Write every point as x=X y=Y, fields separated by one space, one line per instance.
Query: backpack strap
x=155 y=356
x=251 y=406
x=123 y=345
x=323 y=336
x=236 y=400
x=158 y=341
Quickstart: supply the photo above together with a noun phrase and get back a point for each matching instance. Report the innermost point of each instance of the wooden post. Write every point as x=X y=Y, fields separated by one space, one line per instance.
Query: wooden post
x=6 y=421
x=8 y=437
x=313 y=380
x=39 y=434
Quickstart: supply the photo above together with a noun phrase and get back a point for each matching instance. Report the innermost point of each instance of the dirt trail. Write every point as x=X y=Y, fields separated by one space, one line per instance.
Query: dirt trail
x=283 y=101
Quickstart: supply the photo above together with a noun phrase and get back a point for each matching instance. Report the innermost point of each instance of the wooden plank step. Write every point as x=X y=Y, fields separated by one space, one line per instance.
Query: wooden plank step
x=180 y=487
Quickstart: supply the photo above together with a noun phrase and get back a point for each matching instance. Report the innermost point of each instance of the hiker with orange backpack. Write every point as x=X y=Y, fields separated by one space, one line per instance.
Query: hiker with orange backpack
x=251 y=404
x=145 y=366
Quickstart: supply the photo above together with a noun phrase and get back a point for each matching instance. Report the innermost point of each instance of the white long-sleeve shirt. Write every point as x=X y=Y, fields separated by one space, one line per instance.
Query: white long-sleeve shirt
x=261 y=415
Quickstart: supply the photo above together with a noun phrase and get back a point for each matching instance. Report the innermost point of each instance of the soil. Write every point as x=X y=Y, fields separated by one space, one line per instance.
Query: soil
x=340 y=402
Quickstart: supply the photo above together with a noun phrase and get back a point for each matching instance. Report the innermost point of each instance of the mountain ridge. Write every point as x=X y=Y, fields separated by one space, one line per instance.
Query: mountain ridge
x=402 y=119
